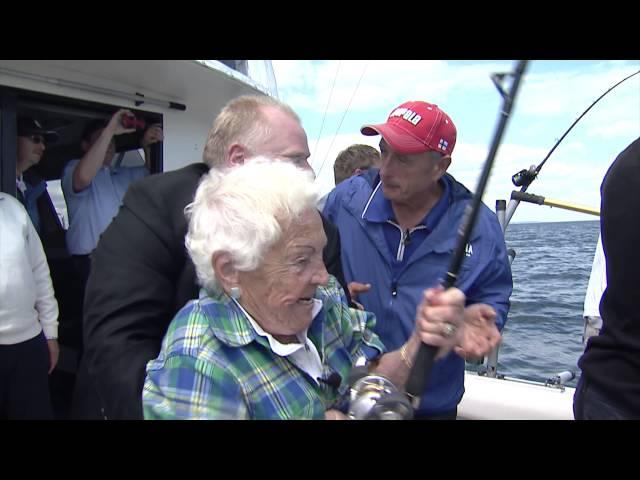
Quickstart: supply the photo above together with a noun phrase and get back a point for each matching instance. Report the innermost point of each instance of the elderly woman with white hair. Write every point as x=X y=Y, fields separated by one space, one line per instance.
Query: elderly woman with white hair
x=270 y=323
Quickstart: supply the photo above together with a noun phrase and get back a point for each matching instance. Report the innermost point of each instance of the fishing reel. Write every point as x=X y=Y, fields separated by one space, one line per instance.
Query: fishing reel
x=375 y=397
x=524 y=177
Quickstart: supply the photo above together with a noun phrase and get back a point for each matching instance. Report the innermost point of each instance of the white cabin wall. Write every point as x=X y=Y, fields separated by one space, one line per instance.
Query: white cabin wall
x=201 y=88
x=63 y=70
x=184 y=138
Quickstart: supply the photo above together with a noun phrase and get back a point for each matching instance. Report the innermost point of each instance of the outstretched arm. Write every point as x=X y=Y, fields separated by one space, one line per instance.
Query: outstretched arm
x=439 y=311
x=88 y=166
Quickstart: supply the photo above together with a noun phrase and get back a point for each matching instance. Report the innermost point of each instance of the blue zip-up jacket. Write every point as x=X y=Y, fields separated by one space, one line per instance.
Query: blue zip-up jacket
x=485 y=276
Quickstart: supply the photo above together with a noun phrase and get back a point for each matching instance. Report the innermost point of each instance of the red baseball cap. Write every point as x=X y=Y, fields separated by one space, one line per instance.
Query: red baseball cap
x=416 y=127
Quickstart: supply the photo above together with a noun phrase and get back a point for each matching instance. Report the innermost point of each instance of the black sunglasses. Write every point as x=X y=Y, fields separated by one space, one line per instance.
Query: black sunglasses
x=37 y=139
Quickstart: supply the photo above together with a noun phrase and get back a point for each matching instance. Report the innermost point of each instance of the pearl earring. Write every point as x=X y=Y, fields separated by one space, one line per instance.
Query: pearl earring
x=235 y=293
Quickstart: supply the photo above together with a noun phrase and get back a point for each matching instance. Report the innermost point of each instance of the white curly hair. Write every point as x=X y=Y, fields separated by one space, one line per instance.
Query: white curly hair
x=243 y=211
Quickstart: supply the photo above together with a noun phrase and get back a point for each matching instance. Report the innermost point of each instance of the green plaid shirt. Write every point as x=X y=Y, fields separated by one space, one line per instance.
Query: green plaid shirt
x=213 y=365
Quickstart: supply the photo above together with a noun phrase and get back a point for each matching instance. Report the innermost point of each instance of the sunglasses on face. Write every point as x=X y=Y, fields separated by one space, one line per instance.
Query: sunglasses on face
x=37 y=139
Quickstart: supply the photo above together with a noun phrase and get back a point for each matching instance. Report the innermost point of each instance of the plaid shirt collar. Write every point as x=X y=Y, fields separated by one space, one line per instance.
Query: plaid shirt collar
x=237 y=330
x=277 y=347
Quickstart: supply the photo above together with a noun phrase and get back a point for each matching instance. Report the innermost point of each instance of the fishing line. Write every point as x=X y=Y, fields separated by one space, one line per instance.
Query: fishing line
x=528 y=177
x=525 y=177
x=315 y=150
x=343 y=116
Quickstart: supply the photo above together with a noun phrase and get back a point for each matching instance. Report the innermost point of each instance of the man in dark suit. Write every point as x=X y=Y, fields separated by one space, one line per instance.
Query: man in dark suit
x=609 y=387
x=141 y=274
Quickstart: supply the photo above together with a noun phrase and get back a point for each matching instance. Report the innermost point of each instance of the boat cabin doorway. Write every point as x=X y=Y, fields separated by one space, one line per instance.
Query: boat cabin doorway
x=67 y=117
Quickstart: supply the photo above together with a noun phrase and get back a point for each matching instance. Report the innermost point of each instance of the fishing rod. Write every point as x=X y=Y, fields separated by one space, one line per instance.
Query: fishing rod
x=525 y=177
x=421 y=370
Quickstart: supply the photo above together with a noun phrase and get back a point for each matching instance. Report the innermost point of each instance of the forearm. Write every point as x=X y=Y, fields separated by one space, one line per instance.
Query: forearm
x=91 y=162
x=396 y=365
x=438 y=318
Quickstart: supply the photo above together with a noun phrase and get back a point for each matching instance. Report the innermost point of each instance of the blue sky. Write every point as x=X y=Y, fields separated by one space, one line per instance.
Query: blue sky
x=552 y=95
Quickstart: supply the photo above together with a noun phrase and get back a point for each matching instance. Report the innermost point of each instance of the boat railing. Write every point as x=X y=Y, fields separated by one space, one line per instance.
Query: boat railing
x=489 y=365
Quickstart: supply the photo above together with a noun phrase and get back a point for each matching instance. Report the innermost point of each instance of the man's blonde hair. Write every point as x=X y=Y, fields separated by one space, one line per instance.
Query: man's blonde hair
x=241 y=121
x=352 y=158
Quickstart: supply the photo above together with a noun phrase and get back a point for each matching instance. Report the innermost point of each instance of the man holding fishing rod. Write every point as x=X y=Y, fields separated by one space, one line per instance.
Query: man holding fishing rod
x=398 y=228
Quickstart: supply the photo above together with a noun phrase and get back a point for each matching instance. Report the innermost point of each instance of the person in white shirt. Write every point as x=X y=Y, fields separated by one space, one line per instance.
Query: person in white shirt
x=28 y=317
x=597 y=285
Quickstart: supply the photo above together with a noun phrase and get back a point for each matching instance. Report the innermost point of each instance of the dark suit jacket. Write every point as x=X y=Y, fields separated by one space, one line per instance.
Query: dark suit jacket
x=141 y=275
x=611 y=361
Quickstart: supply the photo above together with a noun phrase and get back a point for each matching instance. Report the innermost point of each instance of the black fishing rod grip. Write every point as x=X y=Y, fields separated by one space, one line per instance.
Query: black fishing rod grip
x=527 y=197
x=421 y=370
x=423 y=363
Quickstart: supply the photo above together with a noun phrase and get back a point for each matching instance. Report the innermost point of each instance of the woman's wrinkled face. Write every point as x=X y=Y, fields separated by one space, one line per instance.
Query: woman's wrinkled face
x=278 y=294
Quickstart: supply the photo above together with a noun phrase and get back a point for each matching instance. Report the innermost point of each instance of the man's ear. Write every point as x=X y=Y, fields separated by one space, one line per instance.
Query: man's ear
x=226 y=273
x=236 y=155
x=443 y=164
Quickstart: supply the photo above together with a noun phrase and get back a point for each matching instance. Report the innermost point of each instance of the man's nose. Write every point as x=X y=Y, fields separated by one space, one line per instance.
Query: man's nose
x=307 y=166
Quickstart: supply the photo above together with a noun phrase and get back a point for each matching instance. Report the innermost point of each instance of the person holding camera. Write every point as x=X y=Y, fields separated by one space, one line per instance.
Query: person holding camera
x=93 y=188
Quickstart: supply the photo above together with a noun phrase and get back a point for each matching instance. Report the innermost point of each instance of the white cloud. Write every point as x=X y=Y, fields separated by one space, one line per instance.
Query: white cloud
x=330 y=86
x=566 y=92
x=552 y=96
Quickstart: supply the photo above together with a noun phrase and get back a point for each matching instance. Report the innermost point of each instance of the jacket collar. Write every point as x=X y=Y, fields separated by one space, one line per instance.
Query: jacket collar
x=442 y=239
x=379 y=208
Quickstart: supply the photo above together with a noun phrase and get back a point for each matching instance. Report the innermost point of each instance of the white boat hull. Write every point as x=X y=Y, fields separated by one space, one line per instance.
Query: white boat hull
x=497 y=399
